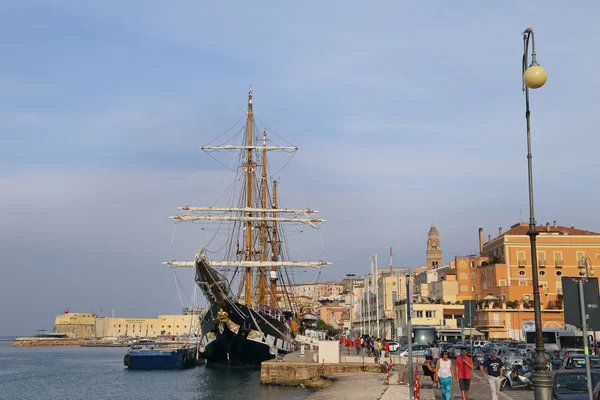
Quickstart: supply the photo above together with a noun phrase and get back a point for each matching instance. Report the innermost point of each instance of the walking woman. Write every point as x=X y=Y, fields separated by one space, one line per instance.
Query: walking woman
x=444 y=371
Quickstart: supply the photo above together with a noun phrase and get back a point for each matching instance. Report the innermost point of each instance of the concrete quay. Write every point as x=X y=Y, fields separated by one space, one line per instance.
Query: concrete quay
x=338 y=374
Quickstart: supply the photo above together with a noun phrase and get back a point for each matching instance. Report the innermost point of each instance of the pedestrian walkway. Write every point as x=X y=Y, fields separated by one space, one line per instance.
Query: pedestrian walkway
x=480 y=389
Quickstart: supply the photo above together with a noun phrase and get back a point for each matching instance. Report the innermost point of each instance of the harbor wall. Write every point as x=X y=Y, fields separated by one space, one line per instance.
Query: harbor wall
x=294 y=374
x=88 y=325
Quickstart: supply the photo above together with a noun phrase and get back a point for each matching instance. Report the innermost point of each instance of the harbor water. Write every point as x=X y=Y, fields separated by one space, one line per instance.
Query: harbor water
x=73 y=372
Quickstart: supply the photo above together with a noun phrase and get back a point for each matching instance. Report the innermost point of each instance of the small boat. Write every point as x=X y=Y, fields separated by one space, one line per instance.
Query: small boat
x=150 y=355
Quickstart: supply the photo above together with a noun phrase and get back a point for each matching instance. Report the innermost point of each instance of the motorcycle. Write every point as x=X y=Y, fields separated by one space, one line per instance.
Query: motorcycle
x=517 y=377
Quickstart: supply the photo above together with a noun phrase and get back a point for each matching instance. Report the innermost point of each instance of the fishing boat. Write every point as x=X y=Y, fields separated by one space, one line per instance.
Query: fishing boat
x=252 y=315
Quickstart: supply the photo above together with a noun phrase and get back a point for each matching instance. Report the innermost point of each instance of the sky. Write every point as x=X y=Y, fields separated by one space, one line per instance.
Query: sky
x=407 y=114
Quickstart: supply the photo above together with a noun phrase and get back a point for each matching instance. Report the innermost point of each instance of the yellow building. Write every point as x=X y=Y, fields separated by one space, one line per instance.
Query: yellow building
x=87 y=325
x=76 y=325
x=439 y=315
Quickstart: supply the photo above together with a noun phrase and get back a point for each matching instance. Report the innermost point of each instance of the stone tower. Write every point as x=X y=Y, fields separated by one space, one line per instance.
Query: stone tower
x=434 y=249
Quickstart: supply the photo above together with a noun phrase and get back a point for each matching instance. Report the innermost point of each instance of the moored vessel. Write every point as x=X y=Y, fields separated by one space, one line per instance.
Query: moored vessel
x=252 y=313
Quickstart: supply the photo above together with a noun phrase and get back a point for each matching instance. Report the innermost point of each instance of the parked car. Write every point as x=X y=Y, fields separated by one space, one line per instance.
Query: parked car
x=482 y=343
x=393 y=346
x=553 y=359
x=418 y=350
x=578 y=361
x=522 y=348
x=571 y=384
x=570 y=351
x=510 y=356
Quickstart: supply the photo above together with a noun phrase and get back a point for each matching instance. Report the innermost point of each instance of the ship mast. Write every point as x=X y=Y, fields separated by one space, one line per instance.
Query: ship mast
x=274 y=247
x=263 y=225
x=249 y=182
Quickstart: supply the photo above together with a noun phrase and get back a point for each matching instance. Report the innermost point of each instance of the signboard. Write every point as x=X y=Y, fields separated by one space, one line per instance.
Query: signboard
x=470 y=310
x=572 y=302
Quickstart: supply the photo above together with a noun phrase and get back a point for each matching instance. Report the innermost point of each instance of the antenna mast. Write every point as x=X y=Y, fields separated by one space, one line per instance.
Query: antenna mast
x=249 y=182
x=391 y=250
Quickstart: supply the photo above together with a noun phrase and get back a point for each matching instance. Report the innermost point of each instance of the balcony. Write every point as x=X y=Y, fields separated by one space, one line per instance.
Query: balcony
x=490 y=324
x=542 y=263
x=521 y=263
x=559 y=263
x=559 y=291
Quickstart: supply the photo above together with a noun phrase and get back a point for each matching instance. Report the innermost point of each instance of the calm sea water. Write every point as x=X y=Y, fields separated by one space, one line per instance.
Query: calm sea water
x=98 y=373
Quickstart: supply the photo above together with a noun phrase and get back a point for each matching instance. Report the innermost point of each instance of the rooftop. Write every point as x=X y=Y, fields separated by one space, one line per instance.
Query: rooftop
x=522 y=228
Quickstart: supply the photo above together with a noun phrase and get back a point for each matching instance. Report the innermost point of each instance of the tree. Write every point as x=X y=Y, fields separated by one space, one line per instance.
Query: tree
x=323 y=326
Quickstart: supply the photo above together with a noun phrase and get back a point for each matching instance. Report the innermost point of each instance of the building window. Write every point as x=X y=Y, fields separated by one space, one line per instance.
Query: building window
x=430 y=314
x=597 y=257
x=473 y=288
x=464 y=288
x=522 y=283
x=493 y=272
x=557 y=256
x=472 y=264
x=462 y=264
x=472 y=275
x=489 y=285
x=521 y=256
x=522 y=273
x=526 y=297
x=419 y=314
x=502 y=282
x=394 y=296
x=483 y=273
x=434 y=248
x=580 y=255
x=558 y=273
x=542 y=273
x=463 y=276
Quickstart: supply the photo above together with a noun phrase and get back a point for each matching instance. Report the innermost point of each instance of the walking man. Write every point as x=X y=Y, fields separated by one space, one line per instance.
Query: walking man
x=435 y=353
x=493 y=371
x=357 y=345
x=464 y=365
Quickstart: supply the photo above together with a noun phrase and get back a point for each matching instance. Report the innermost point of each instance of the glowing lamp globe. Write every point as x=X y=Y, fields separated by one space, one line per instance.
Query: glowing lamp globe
x=535 y=76
x=592 y=272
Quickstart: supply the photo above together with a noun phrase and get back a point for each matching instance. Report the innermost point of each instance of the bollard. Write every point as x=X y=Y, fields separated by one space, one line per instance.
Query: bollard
x=387 y=373
x=323 y=369
x=364 y=368
x=417 y=385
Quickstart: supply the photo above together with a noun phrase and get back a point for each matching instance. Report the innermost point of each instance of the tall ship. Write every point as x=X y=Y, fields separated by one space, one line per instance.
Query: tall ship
x=244 y=269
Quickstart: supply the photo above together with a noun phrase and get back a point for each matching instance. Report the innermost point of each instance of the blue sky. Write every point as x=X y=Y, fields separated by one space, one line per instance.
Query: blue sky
x=406 y=114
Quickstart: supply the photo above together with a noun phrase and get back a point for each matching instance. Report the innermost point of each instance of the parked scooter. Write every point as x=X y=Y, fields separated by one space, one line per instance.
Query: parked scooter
x=517 y=377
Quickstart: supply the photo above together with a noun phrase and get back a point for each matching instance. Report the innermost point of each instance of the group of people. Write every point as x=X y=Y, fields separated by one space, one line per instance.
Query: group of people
x=445 y=374
x=373 y=347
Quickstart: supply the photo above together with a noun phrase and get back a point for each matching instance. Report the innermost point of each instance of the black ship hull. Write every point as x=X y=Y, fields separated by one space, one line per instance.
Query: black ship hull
x=245 y=337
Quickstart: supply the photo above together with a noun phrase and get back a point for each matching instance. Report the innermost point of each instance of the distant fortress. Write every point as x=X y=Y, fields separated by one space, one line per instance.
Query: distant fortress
x=89 y=325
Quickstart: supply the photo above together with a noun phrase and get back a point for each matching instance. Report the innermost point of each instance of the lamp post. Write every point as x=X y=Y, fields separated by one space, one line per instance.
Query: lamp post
x=351 y=276
x=534 y=77
x=584 y=274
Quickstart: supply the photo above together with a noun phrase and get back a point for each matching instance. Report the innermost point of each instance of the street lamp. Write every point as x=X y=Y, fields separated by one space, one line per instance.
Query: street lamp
x=351 y=276
x=584 y=275
x=534 y=77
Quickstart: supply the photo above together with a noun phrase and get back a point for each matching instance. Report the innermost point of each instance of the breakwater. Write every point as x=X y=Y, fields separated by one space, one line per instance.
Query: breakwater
x=37 y=342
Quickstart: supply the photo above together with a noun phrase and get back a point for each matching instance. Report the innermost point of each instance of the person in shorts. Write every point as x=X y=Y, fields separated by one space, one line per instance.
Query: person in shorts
x=464 y=365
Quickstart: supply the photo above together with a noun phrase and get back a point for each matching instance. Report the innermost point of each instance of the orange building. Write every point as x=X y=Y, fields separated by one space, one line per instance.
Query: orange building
x=502 y=275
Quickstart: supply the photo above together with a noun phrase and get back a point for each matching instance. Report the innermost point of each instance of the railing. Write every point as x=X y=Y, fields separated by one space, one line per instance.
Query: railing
x=559 y=263
x=522 y=263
